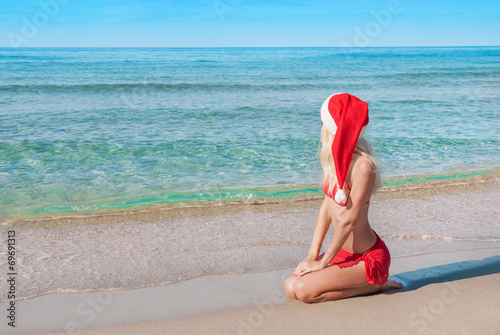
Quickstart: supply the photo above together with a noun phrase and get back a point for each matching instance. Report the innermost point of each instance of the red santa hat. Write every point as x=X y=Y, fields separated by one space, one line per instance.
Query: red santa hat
x=345 y=117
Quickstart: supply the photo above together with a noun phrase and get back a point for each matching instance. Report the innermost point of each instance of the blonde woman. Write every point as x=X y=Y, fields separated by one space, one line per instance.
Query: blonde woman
x=357 y=260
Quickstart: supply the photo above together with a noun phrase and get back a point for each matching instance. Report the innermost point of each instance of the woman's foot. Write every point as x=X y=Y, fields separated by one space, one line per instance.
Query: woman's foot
x=389 y=285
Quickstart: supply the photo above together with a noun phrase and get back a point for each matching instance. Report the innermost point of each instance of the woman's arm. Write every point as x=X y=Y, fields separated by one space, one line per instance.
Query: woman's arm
x=320 y=230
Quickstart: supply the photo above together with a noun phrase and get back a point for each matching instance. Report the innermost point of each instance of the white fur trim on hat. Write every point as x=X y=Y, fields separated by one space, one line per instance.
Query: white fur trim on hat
x=328 y=121
x=326 y=118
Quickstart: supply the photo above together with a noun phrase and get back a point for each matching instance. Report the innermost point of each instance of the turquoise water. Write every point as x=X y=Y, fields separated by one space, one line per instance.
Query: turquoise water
x=81 y=129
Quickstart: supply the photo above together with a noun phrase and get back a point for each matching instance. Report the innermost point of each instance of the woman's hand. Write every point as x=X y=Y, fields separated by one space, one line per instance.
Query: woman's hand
x=309 y=265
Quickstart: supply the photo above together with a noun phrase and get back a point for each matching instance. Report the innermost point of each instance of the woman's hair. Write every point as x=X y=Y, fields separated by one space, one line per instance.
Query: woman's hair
x=362 y=149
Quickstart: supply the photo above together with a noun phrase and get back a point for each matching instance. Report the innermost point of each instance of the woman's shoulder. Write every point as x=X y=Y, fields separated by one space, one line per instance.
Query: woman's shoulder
x=362 y=165
x=363 y=169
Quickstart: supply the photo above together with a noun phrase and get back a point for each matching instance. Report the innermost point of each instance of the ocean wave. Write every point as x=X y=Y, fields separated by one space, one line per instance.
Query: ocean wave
x=126 y=87
x=442 y=238
x=52 y=207
x=489 y=73
x=215 y=197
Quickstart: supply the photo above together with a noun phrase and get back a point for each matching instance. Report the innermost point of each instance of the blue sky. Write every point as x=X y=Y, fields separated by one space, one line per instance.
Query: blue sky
x=216 y=23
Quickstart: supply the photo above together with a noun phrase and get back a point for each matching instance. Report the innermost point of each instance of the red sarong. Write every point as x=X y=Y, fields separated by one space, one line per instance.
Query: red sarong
x=377 y=261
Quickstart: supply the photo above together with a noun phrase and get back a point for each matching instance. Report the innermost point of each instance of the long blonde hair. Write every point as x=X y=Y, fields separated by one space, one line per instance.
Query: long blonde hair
x=363 y=149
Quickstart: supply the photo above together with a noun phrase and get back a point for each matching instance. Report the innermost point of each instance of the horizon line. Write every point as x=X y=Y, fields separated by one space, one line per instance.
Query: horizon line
x=260 y=47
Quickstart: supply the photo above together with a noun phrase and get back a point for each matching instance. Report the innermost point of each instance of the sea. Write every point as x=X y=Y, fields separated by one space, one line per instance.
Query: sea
x=86 y=129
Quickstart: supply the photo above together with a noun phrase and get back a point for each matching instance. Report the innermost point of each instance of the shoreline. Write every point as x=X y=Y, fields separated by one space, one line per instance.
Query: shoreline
x=412 y=187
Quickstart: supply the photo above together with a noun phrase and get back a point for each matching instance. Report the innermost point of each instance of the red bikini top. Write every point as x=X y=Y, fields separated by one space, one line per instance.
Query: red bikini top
x=326 y=186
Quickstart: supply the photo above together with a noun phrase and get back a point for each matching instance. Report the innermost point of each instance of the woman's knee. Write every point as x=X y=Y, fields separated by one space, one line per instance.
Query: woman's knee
x=308 y=294
x=290 y=287
x=304 y=292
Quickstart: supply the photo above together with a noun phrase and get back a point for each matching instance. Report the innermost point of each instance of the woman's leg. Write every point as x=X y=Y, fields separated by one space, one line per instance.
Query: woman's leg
x=333 y=283
x=289 y=287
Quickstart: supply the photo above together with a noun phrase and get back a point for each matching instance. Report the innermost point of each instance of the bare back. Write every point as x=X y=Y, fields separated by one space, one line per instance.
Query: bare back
x=361 y=237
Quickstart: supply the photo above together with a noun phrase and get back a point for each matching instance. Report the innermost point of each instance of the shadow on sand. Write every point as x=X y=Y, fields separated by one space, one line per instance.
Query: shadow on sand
x=413 y=280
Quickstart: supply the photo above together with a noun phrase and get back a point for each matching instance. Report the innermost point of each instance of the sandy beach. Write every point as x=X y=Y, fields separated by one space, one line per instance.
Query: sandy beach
x=451 y=298
x=130 y=273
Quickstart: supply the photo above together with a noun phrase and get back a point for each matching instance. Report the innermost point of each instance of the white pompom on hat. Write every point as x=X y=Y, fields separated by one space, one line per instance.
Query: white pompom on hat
x=345 y=117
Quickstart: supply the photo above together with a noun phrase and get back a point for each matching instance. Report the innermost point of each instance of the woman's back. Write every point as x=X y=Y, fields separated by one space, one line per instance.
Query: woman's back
x=362 y=236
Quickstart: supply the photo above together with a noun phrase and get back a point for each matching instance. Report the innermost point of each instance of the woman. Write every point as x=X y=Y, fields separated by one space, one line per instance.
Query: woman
x=357 y=260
